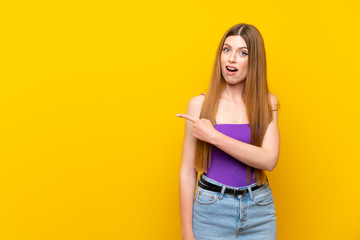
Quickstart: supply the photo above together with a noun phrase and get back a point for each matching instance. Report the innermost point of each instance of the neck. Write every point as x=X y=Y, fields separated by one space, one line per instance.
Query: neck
x=234 y=92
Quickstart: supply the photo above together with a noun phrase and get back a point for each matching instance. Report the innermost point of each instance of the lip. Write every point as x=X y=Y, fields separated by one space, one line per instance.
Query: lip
x=230 y=73
x=232 y=67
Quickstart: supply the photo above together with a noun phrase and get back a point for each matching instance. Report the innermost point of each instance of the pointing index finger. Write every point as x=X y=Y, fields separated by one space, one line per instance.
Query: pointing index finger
x=186 y=117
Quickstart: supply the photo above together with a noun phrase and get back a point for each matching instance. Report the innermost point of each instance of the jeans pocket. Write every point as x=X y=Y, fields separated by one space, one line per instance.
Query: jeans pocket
x=204 y=196
x=263 y=196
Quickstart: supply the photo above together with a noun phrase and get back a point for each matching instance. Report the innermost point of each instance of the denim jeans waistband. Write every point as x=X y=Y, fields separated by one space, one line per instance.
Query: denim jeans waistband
x=223 y=186
x=227 y=186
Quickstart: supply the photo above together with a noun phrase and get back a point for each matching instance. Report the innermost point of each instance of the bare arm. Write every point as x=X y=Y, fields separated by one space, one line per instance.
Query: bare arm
x=264 y=157
x=188 y=174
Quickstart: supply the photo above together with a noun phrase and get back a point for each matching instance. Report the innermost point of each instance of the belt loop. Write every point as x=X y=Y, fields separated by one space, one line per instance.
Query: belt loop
x=250 y=192
x=222 y=192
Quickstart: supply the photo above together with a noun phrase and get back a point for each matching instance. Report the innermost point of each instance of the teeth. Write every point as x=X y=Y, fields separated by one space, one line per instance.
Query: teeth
x=231 y=68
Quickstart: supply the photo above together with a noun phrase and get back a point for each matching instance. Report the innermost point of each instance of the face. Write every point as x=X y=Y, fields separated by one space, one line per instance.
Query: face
x=234 y=60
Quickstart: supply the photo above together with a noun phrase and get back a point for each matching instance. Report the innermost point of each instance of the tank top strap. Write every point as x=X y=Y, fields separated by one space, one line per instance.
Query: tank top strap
x=202 y=94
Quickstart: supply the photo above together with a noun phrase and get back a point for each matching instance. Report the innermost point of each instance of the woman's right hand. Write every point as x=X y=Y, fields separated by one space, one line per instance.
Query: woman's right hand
x=189 y=238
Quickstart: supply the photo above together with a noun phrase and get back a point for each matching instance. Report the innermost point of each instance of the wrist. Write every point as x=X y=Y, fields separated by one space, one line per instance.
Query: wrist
x=187 y=233
x=188 y=236
x=214 y=138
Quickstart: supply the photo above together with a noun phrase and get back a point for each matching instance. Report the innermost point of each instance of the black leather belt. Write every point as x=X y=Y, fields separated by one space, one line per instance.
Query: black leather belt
x=212 y=187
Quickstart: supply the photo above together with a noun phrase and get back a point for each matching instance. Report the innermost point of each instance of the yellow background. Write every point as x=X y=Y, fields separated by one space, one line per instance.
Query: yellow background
x=91 y=147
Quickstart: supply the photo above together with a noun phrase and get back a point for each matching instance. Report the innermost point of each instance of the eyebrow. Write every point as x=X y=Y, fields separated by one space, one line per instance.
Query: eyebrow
x=230 y=46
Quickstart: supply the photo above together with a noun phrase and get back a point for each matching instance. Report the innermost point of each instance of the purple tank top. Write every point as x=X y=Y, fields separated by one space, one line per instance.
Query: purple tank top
x=225 y=168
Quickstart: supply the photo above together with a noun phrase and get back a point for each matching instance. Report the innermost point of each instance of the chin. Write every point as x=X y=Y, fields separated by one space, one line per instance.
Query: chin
x=234 y=82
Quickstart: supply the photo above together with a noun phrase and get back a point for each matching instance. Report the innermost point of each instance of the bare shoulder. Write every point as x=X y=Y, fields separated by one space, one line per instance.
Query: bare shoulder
x=274 y=101
x=194 y=105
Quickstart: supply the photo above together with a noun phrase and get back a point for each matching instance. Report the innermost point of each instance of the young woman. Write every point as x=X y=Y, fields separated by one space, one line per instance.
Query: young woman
x=232 y=137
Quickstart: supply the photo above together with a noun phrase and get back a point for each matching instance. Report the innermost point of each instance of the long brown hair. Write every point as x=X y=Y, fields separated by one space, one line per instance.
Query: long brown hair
x=255 y=96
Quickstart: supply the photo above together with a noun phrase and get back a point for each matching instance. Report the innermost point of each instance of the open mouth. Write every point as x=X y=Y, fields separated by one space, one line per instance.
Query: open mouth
x=231 y=69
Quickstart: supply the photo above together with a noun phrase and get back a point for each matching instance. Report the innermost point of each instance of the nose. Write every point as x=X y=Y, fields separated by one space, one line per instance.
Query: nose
x=232 y=57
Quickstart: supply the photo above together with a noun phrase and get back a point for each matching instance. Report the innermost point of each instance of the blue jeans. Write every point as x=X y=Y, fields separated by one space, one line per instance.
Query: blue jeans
x=220 y=215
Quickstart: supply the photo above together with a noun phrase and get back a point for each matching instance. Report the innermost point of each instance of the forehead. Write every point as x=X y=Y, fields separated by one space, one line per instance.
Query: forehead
x=235 y=41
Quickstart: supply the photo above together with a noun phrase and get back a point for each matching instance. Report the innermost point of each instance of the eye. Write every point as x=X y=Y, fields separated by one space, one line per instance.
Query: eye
x=224 y=49
x=243 y=54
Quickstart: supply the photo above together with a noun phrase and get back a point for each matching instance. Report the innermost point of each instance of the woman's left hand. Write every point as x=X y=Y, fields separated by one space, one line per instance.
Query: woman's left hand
x=202 y=128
